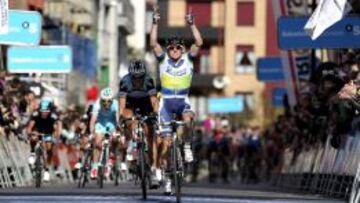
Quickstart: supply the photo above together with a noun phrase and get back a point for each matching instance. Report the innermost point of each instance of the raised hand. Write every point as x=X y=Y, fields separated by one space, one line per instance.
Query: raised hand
x=348 y=91
x=156 y=15
x=190 y=19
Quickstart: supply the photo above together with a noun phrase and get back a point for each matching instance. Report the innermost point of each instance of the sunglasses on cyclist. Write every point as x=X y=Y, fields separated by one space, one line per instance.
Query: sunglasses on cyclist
x=106 y=101
x=177 y=47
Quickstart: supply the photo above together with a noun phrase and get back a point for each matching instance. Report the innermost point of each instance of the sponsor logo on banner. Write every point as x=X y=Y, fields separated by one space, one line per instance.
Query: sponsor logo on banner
x=4 y=16
x=296 y=63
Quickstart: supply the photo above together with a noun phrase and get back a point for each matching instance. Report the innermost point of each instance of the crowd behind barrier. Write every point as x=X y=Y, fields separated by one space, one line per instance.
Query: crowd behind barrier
x=318 y=139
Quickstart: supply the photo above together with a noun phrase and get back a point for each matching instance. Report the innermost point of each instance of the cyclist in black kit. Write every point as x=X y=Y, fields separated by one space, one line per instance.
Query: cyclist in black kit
x=45 y=122
x=137 y=92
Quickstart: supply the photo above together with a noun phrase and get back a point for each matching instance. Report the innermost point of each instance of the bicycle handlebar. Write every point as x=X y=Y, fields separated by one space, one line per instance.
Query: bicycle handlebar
x=140 y=118
x=174 y=122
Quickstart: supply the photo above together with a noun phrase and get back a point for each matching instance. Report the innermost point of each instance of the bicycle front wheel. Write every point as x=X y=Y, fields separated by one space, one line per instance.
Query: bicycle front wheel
x=84 y=170
x=143 y=174
x=177 y=170
x=38 y=168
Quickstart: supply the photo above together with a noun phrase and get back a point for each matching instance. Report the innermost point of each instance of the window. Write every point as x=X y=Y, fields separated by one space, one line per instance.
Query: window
x=205 y=63
x=202 y=63
x=248 y=98
x=202 y=11
x=245 y=13
x=245 y=59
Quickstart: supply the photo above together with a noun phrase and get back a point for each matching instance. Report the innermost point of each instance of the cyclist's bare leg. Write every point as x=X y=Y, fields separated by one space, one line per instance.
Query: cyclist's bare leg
x=129 y=131
x=48 y=146
x=152 y=147
x=185 y=136
x=164 y=146
x=185 y=132
x=33 y=139
x=98 y=146
x=83 y=142
x=129 y=125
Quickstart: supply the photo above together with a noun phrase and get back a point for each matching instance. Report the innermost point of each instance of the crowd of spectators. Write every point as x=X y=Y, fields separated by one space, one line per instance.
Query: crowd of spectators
x=326 y=111
x=18 y=102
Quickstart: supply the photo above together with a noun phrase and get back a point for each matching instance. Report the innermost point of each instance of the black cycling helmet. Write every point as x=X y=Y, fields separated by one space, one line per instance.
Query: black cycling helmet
x=137 y=68
x=174 y=41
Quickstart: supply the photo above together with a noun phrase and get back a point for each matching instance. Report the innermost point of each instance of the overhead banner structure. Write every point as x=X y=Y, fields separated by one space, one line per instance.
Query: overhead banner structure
x=42 y=59
x=296 y=63
x=343 y=34
x=269 y=69
x=24 y=28
x=226 y=105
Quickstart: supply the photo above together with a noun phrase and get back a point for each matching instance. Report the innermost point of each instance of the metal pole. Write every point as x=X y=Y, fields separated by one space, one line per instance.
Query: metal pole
x=313 y=51
x=113 y=46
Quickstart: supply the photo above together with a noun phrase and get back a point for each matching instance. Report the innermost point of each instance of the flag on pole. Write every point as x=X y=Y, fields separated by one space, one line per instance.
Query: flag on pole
x=4 y=16
x=327 y=13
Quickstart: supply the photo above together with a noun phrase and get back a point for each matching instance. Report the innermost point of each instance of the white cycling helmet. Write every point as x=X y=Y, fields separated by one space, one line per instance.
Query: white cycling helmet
x=106 y=94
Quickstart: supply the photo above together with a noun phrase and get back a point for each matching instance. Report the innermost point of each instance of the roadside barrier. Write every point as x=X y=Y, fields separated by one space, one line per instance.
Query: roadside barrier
x=14 y=168
x=322 y=169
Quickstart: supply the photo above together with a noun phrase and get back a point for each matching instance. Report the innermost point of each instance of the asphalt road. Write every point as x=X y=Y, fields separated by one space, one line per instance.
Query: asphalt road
x=129 y=193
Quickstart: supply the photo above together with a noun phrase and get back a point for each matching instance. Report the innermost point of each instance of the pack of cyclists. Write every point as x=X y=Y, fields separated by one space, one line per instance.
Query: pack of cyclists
x=137 y=95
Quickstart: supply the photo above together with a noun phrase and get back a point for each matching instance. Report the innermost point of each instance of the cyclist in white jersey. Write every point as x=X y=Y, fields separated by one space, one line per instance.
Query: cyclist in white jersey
x=176 y=70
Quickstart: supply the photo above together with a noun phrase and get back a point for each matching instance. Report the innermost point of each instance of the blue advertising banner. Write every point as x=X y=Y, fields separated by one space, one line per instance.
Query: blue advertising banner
x=343 y=34
x=42 y=59
x=269 y=69
x=278 y=97
x=226 y=105
x=24 y=28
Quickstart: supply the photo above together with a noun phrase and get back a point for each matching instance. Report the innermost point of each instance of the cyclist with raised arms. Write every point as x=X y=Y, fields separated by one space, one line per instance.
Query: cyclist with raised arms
x=176 y=70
